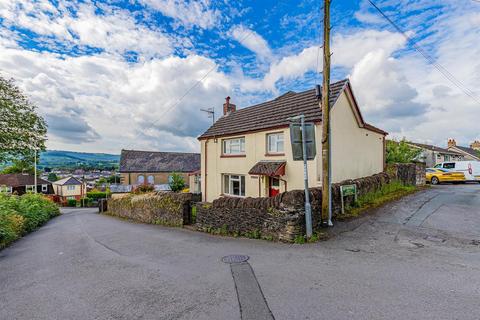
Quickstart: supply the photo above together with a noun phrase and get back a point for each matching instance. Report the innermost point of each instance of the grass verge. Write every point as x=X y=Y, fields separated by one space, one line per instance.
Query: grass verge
x=387 y=193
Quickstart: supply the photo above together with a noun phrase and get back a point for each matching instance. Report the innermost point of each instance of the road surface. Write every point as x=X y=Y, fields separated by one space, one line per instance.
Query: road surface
x=418 y=258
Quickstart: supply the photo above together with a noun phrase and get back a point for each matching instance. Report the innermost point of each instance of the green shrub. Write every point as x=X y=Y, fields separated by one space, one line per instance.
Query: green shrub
x=71 y=203
x=20 y=215
x=176 y=183
x=86 y=202
x=95 y=194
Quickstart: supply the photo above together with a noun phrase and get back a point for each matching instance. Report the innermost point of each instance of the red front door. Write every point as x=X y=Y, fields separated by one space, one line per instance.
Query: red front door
x=273 y=186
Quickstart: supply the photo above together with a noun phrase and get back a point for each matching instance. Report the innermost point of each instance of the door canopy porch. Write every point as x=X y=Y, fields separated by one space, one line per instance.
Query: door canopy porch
x=269 y=168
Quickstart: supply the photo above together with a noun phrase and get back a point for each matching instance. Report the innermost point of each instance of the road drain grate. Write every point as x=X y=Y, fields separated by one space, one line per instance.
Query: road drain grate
x=235 y=258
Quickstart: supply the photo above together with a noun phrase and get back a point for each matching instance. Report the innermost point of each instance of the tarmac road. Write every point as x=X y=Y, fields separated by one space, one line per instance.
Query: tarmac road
x=418 y=258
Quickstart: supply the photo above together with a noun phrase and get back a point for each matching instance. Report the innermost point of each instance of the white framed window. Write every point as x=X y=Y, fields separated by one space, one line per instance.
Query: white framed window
x=44 y=187
x=150 y=180
x=275 y=142
x=233 y=146
x=140 y=179
x=71 y=188
x=71 y=198
x=29 y=188
x=5 y=189
x=234 y=185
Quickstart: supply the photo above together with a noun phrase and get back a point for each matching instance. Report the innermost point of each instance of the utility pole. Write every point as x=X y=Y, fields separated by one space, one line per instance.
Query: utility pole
x=326 y=213
x=35 y=169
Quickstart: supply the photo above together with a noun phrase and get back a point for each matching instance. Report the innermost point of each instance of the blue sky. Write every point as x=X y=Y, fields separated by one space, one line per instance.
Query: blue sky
x=108 y=75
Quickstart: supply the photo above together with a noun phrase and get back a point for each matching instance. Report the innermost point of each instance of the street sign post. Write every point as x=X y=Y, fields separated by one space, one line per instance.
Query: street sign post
x=297 y=142
x=302 y=137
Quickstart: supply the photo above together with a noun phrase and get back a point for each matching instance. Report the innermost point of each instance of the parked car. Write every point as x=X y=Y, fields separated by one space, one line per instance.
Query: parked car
x=439 y=175
x=471 y=169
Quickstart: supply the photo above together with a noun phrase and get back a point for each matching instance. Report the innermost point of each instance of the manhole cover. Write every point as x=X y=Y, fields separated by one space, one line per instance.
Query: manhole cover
x=235 y=258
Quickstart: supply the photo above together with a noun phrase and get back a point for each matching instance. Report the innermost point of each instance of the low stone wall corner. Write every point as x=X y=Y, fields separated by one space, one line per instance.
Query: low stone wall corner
x=165 y=208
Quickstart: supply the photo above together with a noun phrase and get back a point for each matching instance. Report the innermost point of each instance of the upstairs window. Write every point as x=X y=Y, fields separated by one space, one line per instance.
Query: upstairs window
x=70 y=187
x=233 y=146
x=275 y=143
x=234 y=185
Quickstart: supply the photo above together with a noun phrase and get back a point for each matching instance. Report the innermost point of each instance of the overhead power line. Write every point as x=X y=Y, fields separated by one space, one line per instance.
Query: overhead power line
x=179 y=100
x=449 y=76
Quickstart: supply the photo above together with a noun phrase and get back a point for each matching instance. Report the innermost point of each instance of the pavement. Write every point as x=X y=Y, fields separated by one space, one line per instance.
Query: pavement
x=417 y=258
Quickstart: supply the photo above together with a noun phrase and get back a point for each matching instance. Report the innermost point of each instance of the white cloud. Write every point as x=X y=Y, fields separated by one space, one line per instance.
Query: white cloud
x=252 y=41
x=188 y=13
x=114 y=31
x=107 y=104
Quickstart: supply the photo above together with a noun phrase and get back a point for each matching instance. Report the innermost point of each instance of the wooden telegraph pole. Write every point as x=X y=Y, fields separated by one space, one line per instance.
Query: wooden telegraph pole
x=325 y=106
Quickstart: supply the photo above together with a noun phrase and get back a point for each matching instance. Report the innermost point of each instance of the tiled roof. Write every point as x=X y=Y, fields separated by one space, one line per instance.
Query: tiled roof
x=433 y=148
x=67 y=181
x=150 y=161
x=274 y=113
x=20 y=180
x=470 y=151
x=268 y=168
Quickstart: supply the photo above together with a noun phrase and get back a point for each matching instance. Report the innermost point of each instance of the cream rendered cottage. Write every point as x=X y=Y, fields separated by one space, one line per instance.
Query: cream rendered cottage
x=247 y=152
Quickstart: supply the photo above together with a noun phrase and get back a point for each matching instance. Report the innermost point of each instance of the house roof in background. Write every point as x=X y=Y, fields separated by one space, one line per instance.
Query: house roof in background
x=68 y=181
x=470 y=151
x=433 y=148
x=20 y=179
x=151 y=161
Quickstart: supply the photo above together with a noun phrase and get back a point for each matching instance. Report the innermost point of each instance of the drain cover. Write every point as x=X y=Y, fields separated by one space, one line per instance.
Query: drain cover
x=235 y=258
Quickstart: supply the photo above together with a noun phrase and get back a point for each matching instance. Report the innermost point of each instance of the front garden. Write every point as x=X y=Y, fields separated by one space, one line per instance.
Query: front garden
x=20 y=215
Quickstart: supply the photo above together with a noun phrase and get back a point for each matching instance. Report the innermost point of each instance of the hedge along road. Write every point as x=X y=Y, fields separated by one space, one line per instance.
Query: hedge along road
x=389 y=265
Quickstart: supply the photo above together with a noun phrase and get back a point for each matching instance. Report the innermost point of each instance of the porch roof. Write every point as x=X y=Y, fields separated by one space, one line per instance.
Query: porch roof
x=269 y=168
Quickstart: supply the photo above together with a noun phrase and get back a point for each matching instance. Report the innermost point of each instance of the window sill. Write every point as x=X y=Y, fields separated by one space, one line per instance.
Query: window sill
x=231 y=195
x=274 y=154
x=233 y=156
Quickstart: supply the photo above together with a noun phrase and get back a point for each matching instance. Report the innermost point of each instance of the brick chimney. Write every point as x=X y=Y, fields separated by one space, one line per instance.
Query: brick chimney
x=475 y=145
x=228 y=107
x=451 y=143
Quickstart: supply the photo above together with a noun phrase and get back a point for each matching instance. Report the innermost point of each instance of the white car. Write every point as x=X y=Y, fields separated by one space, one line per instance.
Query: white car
x=471 y=169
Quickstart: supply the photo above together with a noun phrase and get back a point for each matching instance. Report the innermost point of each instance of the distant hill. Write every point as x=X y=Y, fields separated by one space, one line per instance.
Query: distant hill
x=57 y=159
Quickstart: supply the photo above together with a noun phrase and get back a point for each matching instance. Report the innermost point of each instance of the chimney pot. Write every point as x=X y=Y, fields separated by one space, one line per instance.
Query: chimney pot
x=451 y=143
x=228 y=107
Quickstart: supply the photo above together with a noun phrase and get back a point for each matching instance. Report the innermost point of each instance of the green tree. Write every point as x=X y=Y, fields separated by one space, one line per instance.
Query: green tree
x=401 y=152
x=19 y=166
x=52 y=177
x=176 y=182
x=22 y=129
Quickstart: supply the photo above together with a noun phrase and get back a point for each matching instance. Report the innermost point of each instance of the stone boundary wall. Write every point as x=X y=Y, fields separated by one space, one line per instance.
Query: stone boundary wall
x=408 y=173
x=165 y=208
x=282 y=217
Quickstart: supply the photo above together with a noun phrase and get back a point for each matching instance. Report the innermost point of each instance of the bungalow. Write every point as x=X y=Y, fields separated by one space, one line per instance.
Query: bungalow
x=469 y=153
x=21 y=183
x=247 y=152
x=69 y=188
x=149 y=167
x=432 y=155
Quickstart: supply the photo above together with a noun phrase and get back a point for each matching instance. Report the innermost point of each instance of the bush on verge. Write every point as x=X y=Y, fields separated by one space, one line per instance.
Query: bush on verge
x=20 y=215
